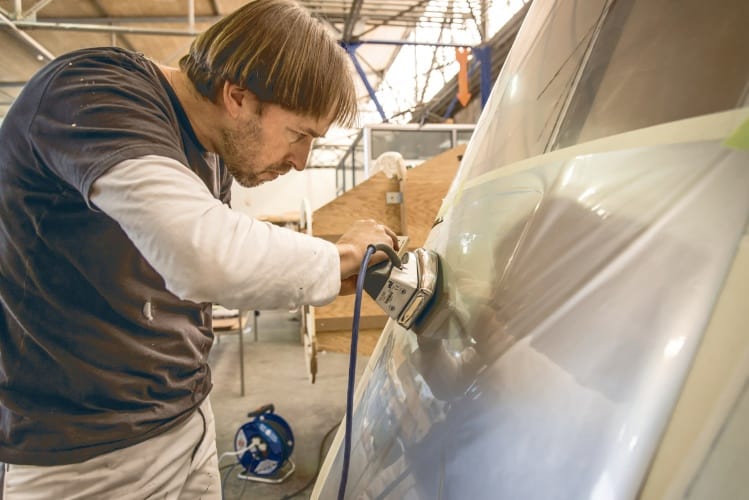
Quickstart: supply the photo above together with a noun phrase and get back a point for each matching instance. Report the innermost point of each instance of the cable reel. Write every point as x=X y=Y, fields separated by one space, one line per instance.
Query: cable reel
x=264 y=446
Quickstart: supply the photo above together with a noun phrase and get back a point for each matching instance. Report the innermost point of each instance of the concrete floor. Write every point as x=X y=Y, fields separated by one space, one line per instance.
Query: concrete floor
x=275 y=372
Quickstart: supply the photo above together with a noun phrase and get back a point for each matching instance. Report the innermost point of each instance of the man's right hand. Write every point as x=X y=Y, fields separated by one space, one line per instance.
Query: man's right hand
x=353 y=245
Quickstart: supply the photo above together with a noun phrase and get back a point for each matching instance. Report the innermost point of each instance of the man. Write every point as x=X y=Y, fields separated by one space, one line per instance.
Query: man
x=115 y=238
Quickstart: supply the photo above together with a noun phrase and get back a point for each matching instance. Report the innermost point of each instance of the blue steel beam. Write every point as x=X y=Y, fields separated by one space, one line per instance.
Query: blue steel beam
x=484 y=55
x=351 y=49
x=407 y=42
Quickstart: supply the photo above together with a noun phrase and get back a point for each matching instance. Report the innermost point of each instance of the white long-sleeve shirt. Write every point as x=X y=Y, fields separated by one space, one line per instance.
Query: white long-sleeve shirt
x=207 y=252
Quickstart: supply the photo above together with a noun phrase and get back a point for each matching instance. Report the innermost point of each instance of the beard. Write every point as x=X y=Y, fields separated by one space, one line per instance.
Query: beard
x=240 y=152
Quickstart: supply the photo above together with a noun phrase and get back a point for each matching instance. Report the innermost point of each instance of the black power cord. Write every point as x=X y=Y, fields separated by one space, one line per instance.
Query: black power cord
x=352 y=370
x=319 y=465
x=230 y=468
x=396 y=262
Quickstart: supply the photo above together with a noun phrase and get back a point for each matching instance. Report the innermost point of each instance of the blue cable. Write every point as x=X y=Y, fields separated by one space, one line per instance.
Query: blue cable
x=352 y=370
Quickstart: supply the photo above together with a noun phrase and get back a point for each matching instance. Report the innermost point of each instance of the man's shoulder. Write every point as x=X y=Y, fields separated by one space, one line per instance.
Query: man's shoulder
x=101 y=54
x=107 y=60
x=119 y=81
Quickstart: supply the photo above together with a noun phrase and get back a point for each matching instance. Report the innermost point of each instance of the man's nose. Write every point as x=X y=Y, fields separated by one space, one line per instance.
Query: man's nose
x=300 y=161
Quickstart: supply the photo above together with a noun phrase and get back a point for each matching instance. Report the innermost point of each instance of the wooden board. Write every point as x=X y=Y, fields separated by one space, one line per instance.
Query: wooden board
x=425 y=187
x=365 y=201
x=423 y=190
x=343 y=307
x=340 y=341
x=226 y=323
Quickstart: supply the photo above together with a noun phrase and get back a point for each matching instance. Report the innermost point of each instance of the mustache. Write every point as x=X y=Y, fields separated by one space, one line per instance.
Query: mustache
x=281 y=168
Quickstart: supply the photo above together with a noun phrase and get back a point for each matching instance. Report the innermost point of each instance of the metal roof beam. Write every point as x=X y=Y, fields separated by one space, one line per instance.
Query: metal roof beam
x=353 y=16
x=215 y=7
x=395 y=8
x=191 y=15
x=114 y=38
x=31 y=13
x=130 y=20
x=102 y=28
x=133 y=30
x=500 y=44
x=403 y=12
x=10 y=97
x=41 y=51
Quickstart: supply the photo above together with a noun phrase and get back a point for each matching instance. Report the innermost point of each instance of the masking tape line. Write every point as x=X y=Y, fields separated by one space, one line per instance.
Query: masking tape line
x=739 y=139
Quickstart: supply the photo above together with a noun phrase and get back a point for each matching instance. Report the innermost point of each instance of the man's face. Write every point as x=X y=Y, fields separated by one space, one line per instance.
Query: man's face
x=262 y=146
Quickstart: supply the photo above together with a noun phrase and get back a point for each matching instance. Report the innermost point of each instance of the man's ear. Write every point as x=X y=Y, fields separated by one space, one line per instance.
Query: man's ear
x=237 y=101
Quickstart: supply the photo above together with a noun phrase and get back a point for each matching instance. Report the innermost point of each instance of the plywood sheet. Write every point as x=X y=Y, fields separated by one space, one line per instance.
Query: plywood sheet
x=424 y=189
x=365 y=201
x=329 y=317
x=340 y=341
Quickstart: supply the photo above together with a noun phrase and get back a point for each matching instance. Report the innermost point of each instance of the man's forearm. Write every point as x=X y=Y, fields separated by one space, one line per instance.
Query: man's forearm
x=207 y=252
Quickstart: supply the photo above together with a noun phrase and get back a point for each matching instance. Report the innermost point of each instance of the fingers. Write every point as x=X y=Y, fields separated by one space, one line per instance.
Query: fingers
x=385 y=234
x=353 y=244
x=393 y=236
x=369 y=232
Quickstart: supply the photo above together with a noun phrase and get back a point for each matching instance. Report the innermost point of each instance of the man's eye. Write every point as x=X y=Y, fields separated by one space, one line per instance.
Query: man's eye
x=299 y=136
x=295 y=136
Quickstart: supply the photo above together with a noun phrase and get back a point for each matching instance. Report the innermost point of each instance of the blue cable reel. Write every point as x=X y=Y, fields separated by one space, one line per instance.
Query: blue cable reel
x=264 y=446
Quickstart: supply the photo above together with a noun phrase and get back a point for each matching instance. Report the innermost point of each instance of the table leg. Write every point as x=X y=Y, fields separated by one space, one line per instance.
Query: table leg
x=241 y=352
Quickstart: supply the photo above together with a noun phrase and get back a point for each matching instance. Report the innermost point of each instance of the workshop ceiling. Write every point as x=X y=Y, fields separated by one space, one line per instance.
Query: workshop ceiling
x=33 y=31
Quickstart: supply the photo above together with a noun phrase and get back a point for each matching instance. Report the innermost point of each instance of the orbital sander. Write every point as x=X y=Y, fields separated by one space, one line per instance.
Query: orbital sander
x=407 y=288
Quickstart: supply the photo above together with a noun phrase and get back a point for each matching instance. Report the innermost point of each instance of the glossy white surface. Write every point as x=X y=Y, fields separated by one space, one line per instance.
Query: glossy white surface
x=585 y=240
x=580 y=291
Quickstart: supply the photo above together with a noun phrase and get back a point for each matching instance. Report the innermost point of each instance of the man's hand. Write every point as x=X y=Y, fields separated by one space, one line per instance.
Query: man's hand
x=353 y=245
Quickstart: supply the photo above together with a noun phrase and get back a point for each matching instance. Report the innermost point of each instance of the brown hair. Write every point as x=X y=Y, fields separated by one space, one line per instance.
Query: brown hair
x=277 y=50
